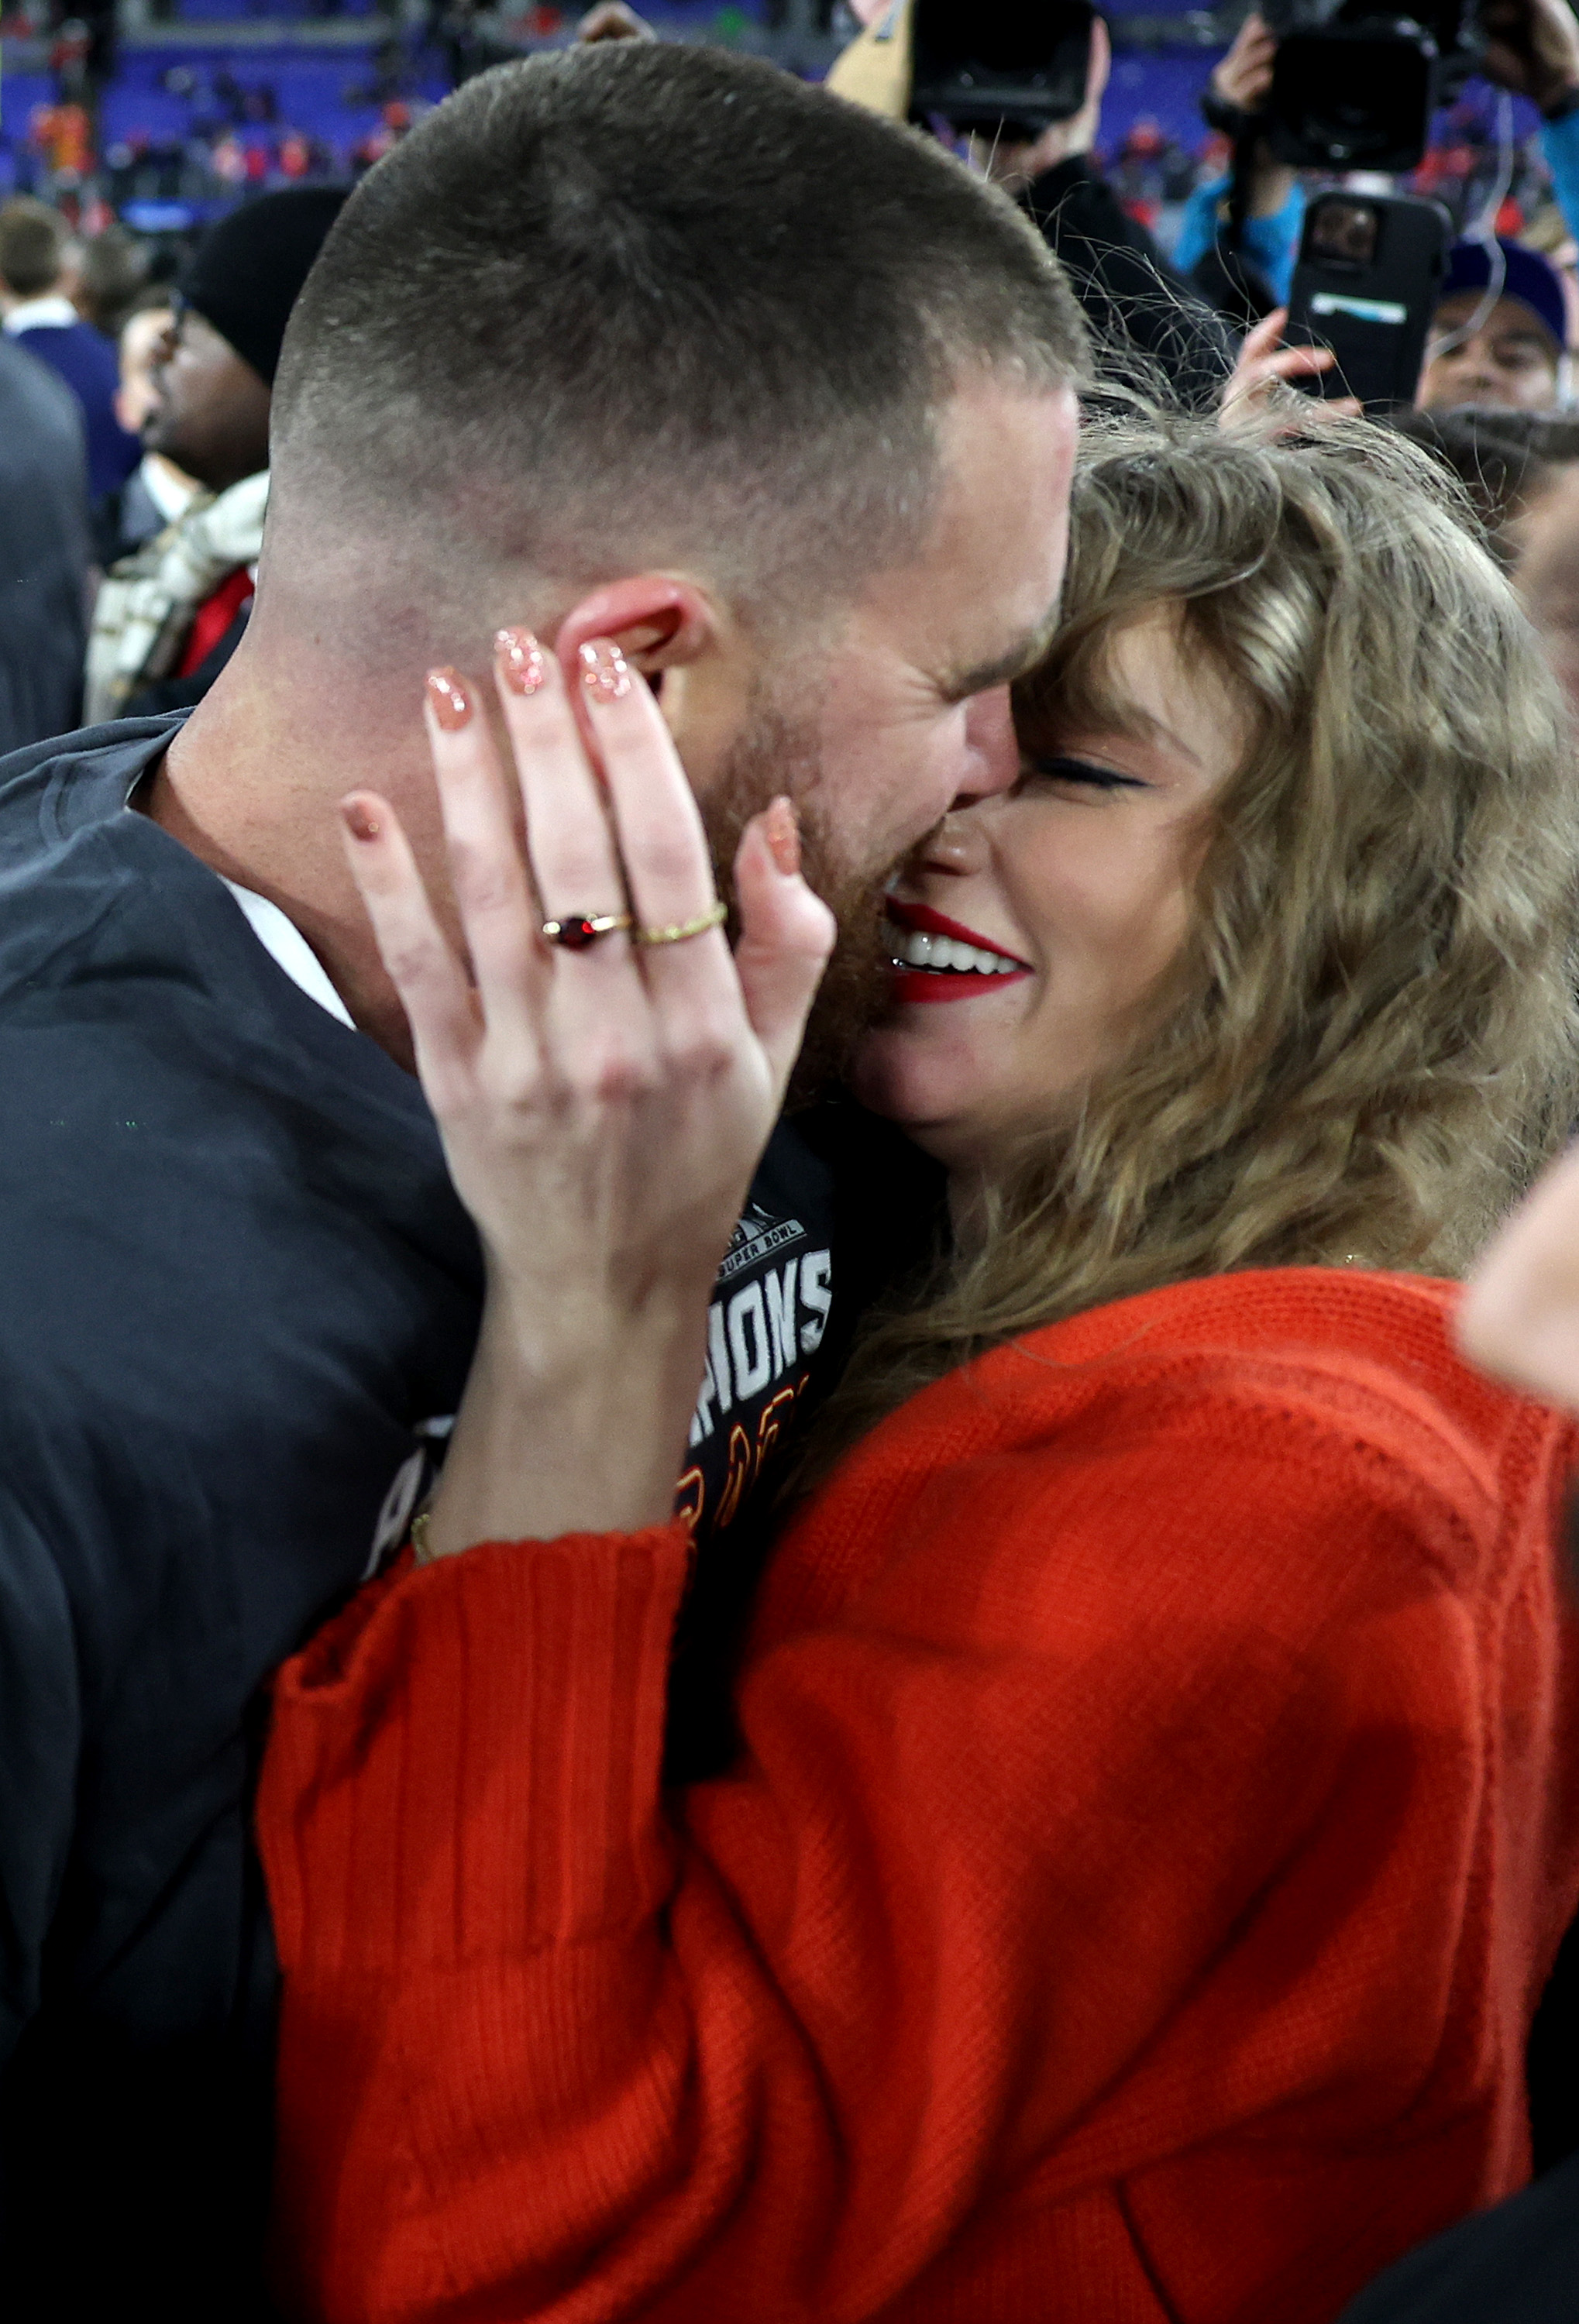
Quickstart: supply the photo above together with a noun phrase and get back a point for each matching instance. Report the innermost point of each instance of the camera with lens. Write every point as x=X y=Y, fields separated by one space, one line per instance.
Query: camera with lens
x=1007 y=67
x=1355 y=89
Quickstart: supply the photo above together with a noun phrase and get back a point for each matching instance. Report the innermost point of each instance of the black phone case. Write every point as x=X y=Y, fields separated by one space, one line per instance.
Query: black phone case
x=1375 y=315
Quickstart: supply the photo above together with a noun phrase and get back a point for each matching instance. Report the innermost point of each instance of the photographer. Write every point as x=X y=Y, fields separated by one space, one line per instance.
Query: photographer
x=1274 y=211
x=1135 y=303
x=1153 y=329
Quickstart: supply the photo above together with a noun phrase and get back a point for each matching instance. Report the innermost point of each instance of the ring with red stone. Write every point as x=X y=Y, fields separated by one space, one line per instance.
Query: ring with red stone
x=583 y=928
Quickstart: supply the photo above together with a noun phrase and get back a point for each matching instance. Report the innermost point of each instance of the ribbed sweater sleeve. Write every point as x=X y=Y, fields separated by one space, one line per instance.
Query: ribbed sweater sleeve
x=551 y=1657
x=1095 y=1762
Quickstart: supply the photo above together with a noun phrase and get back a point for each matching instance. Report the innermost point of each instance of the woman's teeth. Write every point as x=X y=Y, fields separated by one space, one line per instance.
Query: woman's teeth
x=916 y=949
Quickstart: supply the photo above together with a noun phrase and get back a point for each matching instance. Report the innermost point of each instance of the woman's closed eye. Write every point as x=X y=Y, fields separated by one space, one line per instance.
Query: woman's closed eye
x=1087 y=773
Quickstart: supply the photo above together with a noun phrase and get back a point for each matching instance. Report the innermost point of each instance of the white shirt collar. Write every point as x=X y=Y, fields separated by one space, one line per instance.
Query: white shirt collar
x=169 y=497
x=50 y=313
x=283 y=937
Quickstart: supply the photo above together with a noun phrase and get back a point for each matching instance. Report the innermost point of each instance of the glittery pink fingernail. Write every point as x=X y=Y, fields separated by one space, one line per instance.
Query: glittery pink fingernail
x=451 y=704
x=520 y=661
x=605 y=672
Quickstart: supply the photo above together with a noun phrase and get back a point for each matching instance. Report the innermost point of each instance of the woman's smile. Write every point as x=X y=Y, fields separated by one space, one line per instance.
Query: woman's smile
x=1071 y=891
x=936 y=958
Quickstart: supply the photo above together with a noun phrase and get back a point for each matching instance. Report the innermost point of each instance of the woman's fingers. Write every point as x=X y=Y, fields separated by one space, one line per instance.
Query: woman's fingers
x=785 y=934
x=668 y=867
x=639 y=835
x=439 y=1002
x=488 y=874
x=683 y=955
x=574 y=860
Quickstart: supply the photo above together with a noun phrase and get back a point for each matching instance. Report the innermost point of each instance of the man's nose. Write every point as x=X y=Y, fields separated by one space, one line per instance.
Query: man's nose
x=992 y=746
x=958 y=845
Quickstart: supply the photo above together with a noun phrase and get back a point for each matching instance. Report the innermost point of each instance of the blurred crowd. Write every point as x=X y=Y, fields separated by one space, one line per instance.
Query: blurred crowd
x=111 y=312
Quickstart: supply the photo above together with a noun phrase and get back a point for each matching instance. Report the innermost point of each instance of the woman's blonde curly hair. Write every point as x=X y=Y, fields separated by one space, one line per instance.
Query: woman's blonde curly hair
x=1371 y=1039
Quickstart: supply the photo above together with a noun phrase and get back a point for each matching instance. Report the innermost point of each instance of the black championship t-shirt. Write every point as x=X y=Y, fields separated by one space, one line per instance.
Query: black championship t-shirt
x=237 y=1301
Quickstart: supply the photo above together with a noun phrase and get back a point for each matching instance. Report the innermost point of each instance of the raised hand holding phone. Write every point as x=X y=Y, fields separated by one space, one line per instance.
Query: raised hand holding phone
x=1264 y=367
x=1367 y=284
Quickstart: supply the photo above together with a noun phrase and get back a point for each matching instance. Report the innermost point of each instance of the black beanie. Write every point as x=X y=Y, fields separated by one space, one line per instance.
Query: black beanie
x=246 y=273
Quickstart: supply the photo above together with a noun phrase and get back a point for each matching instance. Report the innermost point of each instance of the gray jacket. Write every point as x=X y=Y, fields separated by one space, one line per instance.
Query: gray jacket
x=43 y=551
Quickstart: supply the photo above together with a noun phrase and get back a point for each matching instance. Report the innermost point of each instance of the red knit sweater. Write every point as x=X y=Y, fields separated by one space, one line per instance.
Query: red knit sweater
x=1160 y=1809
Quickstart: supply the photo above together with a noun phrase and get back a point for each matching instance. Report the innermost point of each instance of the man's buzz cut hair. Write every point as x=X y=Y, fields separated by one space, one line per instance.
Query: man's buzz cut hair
x=641 y=305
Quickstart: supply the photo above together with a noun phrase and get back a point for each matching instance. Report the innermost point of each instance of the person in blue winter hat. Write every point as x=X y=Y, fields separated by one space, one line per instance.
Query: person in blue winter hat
x=1499 y=333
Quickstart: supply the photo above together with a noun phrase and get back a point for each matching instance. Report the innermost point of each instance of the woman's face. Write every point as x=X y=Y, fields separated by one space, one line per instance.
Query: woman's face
x=1072 y=892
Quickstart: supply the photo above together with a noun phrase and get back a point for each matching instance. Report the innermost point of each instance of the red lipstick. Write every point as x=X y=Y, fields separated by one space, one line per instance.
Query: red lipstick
x=933 y=984
x=938 y=924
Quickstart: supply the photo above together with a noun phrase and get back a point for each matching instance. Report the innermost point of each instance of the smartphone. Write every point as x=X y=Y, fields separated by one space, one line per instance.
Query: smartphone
x=1367 y=282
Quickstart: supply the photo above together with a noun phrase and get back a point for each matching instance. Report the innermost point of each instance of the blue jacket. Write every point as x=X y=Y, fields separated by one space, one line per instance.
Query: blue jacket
x=87 y=363
x=1560 y=144
x=1271 y=244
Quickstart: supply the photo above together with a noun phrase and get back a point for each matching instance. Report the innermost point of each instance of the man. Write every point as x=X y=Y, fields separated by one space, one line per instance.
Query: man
x=157 y=492
x=112 y=277
x=1247 y=281
x=166 y=621
x=1506 y=350
x=797 y=436
x=43 y=551
x=38 y=313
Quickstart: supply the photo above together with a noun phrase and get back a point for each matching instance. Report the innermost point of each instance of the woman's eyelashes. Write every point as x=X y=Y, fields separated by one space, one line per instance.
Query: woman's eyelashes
x=1059 y=768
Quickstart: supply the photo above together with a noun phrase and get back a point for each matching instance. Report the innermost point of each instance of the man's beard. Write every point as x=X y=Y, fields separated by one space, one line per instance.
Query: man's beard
x=773 y=754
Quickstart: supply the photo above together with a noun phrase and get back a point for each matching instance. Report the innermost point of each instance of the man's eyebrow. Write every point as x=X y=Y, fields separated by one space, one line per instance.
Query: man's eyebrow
x=1023 y=655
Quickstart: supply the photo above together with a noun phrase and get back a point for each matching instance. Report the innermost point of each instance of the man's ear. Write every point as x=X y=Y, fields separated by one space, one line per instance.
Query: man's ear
x=658 y=622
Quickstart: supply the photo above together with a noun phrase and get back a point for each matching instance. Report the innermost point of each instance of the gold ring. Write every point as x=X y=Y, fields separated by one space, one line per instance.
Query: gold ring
x=575 y=935
x=681 y=929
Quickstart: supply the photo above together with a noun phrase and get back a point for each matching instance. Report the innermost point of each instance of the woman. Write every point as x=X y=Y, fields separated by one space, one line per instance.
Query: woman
x=1156 y=1810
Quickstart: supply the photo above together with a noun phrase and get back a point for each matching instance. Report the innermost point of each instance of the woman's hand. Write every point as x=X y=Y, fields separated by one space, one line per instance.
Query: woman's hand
x=602 y=1108
x=1252 y=391
x=1520 y=1311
